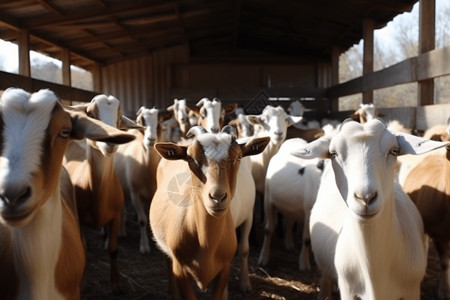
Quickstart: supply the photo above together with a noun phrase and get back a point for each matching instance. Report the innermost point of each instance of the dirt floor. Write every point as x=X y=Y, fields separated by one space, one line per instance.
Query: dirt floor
x=145 y=276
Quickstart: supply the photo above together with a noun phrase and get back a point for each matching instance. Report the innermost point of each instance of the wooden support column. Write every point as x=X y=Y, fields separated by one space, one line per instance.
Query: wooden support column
x=427 y=23
x=24 y=53
x=66 y=75
x=335 y=53
x=97 y=78
x=368 y=28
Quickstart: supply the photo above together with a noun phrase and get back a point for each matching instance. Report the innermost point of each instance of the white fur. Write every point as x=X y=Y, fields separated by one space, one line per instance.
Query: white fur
x=37 y=242
x=242 y=212
x=213 y=114
x=292 y=194
x=365 y=231
x=274 y=122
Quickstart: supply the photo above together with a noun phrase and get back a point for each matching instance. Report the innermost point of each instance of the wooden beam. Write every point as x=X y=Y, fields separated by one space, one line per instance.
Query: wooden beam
x=435 y=63
x=368 y=28
x=427 y=20
x=66 y=75
x=24 y=53
x=33 y=85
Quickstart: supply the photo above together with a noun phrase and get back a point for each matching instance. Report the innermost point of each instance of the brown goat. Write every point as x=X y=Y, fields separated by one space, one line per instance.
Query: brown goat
x=190 y=213
x=98 y=190
x=428 y=185
x=41 y=253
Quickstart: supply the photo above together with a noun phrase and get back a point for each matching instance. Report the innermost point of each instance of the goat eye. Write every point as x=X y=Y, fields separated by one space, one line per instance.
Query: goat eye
x=394 y=151
x=65 y=133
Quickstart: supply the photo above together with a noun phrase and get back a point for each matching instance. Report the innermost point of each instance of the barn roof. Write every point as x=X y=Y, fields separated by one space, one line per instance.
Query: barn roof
x=108 y=31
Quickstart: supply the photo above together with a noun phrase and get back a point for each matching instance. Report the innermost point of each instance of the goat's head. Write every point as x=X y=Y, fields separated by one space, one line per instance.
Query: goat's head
x=35 y=130
x=363 y=157
x=214 y=161
x=296 y=108
x=181 y=113
x=106 y=109
x=366 y=112
x=149 y=119
x=274 y=121
x=243 y=127
x=211 y=114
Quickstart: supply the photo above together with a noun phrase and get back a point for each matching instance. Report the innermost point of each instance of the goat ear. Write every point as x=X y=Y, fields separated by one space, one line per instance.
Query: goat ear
x=294 y=120
x=126 y=123
x=230 y=108
x=254 y=120
x=253 y=146
x=411 y=144
x=316 y=149
x=165 y=115
x=93 y=129
x=171 y=151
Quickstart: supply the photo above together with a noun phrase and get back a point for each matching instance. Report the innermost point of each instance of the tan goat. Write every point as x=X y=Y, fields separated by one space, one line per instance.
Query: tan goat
x=428 y=185
x=41 y=253
x=190 y=213
x=98 y=190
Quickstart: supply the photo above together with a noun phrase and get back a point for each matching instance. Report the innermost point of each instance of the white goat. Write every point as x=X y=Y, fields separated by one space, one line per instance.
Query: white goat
x=211 y=114
x=135 y=164
x=365 y=231
x=291 y=188
x=273 y=122
x=182 y=114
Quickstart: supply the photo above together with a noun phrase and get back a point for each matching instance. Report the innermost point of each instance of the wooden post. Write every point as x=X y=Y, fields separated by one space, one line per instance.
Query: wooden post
x=335 y=53
x=66 y=75
x=97 y=78
x=368 y=28
x=24 y=53
x=427 y=22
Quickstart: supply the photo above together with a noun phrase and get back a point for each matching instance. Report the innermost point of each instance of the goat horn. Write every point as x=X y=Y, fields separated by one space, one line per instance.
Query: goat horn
x=230 y=130
x=196 y=130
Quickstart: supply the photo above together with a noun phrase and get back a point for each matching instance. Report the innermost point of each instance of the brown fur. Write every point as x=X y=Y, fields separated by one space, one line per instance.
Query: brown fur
x=98 y=191
x=199 y=245
x=428 y=185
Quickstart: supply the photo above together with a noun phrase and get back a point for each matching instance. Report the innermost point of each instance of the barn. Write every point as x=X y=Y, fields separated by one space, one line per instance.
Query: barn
x=150 y=52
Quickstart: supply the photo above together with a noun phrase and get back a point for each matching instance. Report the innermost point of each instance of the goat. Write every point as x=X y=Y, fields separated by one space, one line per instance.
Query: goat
x=97 y=188
x=291 y=188
x=190 y=214
x=296 y=108
x=429 y=188
x=41 y=251
x=365 y=231
x=211 y=114
x=135 y=164
x=243 y=127
x=274 y=122
x=181 y=113
x=365 y=113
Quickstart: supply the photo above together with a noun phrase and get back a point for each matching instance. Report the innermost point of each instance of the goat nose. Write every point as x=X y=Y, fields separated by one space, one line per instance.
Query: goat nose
x=367 y=198
x=214 y=129
x=218 y=198
x=279 y=133
x=15 y=195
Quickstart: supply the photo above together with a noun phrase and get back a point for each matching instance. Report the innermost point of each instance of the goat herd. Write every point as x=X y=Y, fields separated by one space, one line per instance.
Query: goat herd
x=198 y=178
